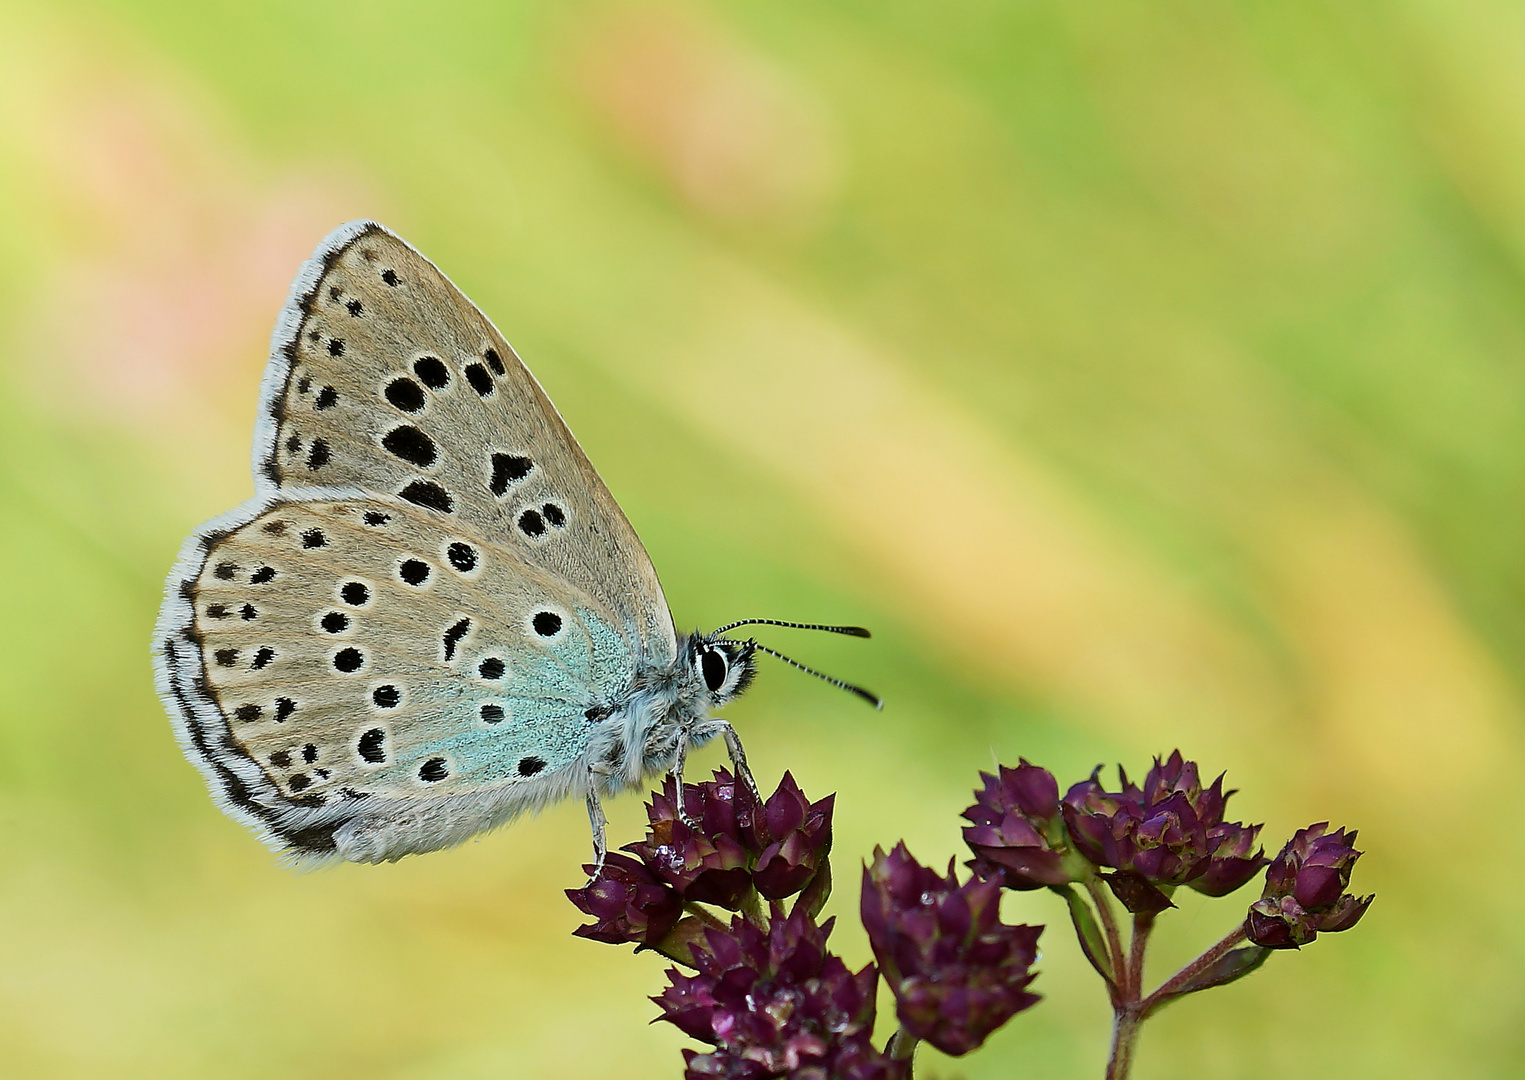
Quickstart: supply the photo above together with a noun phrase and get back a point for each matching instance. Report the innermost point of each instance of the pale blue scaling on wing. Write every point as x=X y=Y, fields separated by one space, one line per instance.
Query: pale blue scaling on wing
x=546 y=696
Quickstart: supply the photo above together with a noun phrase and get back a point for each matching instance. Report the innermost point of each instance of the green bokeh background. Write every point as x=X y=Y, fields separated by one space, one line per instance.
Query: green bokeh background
x=1146 y=375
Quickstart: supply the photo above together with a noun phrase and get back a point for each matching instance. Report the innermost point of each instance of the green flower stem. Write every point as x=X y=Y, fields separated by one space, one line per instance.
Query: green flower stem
x=1129 y=1008
x=1168 y=989
x=1143 y=923
x=705 y=915
x=1124 y=1036
x=1103 y=904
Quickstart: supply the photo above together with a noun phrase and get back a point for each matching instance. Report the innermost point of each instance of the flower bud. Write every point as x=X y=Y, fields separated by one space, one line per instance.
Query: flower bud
x=1305 y=890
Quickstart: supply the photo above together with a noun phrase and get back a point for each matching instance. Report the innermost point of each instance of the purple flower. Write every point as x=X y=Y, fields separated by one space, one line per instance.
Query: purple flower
x=1229 y=861
x=792 y=837
x=1167 y=833
x=706 y=862
x=627 y=904
x=1017 y=829
x=1305 y=890
x=733 y=845
x=957 y=971
x=775 y=1003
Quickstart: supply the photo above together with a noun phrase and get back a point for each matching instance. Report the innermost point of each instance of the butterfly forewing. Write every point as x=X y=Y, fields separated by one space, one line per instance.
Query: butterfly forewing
x=386 y=378
x=372 y=648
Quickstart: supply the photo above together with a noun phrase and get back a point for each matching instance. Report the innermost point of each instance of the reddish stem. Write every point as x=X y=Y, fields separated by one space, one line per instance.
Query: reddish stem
x=1171 y=986
x=1103 y=904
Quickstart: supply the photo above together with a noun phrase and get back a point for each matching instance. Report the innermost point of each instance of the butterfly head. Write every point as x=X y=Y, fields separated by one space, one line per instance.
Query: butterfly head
x=723 y=667
x=726 y=667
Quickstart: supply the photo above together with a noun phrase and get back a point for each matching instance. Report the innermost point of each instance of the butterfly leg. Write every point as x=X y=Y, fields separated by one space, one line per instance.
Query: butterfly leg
x=596 y=818
x=677 y=775
x=739 y=759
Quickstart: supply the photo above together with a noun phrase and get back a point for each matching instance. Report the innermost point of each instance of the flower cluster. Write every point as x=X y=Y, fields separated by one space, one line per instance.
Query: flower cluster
x=1018 y=836
x=723 y=849
x=1167 y=833
x=763 y=992
x=774 y=1002
x=767 y=995
x=1305 y=890
x=956 y=970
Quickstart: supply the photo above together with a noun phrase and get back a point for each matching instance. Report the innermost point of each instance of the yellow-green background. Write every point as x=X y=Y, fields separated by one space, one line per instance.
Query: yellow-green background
x=1145 y=374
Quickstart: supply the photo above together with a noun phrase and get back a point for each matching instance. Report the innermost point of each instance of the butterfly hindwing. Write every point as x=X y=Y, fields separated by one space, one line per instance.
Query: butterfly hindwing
x=386 y=378
x=365 y=660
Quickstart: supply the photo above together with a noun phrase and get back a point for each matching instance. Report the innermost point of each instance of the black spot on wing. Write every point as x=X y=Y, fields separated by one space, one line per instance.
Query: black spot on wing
x=432 y=372
x=411 y=445
x=531 y=524
x=462 y=556
x=429 y=494
x=405 y=394
x=492 y=668
x=453 y=638
x=372 y=746
x=480 y=381
x=508 y=469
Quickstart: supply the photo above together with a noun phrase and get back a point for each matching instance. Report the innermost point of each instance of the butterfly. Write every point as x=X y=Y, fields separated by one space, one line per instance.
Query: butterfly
x=432 y=616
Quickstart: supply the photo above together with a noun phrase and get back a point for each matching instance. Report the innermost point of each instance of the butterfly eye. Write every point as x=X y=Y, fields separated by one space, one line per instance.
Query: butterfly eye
x=713 y=666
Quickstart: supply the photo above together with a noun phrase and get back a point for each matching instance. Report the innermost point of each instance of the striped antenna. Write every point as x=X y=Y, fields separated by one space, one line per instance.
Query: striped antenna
x=850 y=631
x=872 y=699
